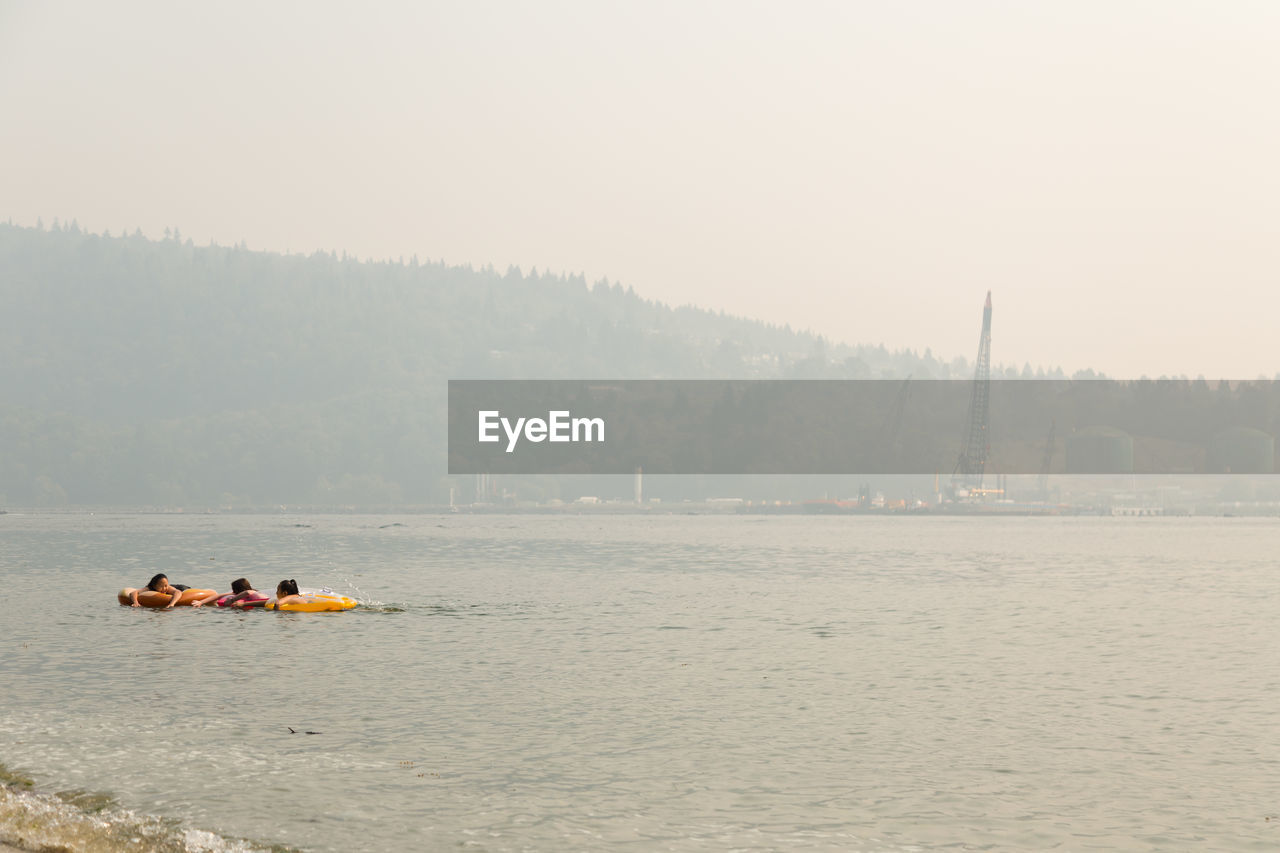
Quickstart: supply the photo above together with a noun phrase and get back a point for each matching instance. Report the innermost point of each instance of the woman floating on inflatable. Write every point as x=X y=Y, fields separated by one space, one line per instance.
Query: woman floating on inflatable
x=162 y=594
x=289 y=598
x=242 y=595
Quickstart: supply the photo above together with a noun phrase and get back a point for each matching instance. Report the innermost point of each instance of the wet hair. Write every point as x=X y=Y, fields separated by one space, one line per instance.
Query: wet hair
x=287 y=587
x=241 y=585
x=154 y=583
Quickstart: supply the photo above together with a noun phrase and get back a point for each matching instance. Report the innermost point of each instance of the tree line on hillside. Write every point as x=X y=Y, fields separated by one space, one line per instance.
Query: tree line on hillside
x=158 y=372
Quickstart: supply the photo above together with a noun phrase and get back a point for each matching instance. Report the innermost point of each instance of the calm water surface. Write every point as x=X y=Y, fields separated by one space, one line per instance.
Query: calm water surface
x=678 y=683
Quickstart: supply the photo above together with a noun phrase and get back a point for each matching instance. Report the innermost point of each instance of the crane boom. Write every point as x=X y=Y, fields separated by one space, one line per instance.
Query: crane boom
x=973 y=453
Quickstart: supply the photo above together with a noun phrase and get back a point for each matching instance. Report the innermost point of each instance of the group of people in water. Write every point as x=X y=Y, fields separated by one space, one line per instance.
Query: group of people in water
x=242 y=594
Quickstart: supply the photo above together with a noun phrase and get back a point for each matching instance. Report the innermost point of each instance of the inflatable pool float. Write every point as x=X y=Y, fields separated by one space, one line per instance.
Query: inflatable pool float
x=151 y=598
x=315 y=602
x=226 y=601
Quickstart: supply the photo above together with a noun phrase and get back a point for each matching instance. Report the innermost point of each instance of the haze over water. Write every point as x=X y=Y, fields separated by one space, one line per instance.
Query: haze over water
x=666 y=682
x=866 y=170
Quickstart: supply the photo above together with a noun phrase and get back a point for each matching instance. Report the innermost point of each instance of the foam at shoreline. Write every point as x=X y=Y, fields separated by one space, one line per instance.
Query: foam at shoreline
x=86 y=822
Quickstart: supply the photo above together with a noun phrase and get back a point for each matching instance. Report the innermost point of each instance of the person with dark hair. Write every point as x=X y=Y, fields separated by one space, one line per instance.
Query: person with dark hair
x=287 y=593
x=159 y=583
x=160 y=593
x=242 y=595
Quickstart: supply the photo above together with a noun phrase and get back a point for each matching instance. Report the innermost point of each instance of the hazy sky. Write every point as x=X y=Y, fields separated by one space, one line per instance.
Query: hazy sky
x=1110 y=170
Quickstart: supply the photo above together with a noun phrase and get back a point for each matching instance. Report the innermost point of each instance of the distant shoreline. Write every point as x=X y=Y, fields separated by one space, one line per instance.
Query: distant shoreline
x=723 y=508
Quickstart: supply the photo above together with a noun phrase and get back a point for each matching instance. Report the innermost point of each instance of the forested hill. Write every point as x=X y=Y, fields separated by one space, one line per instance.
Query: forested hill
x=157 y=372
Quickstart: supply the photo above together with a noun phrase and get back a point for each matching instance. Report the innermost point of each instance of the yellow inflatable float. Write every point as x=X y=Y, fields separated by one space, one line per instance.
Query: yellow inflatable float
x=315 y=602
